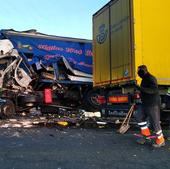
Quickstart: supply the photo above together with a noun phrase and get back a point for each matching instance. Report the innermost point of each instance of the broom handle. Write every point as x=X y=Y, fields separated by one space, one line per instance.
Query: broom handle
x=128 y=115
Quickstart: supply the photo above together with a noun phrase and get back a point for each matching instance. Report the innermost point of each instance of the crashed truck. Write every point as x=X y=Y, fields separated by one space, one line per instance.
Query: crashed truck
x=41 y=71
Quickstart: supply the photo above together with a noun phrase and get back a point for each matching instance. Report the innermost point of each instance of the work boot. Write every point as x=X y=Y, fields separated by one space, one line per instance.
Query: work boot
x=159 y=142
x=155 y=145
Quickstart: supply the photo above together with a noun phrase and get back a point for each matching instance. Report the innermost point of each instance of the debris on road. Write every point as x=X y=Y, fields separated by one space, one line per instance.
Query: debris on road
x=63 y=118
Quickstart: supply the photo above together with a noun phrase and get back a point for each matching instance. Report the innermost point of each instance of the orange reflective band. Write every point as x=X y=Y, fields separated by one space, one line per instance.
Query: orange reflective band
x=145 y=132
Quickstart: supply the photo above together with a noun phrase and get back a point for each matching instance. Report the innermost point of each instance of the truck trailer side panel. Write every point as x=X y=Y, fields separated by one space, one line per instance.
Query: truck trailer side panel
x=121 y=42
x=116 y=49
x=139 y=34
x=101 y=48
x=152 y=37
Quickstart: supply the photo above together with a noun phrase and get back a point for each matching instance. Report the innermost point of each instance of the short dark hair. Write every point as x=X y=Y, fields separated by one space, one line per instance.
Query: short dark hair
x=143 y=67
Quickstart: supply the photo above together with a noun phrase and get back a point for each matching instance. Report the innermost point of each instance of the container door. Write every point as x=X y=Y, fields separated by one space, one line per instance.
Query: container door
x=121 y=41
x=101 y=50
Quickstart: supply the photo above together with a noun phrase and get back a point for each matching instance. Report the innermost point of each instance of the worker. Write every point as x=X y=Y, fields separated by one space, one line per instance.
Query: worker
x=150 y=107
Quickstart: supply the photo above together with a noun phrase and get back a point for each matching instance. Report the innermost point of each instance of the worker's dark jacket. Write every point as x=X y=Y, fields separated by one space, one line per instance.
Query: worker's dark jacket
x=149 y=90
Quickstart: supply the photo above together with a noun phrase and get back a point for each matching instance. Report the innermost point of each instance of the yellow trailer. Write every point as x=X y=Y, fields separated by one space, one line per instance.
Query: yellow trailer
x=128 y=33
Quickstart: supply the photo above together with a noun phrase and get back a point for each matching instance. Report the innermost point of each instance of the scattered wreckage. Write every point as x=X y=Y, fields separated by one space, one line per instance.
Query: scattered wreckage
x=20 y=98
x=22 y=88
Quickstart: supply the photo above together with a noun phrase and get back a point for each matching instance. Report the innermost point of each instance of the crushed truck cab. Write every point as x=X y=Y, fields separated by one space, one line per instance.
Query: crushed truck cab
x=36 y=68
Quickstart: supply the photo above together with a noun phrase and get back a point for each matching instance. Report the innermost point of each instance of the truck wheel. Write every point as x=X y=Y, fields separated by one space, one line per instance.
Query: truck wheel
x=28 y=100
x=90 y=100
x=7 y=109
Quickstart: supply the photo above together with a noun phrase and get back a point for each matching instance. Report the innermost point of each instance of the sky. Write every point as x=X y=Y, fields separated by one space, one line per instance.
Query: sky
x=67 y=18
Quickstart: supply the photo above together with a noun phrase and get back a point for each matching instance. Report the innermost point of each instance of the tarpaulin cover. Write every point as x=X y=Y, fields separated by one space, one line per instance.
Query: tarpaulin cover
x=49 y=50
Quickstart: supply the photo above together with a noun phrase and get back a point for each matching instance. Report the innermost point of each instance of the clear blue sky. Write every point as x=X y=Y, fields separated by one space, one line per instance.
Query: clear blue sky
x=69 y=18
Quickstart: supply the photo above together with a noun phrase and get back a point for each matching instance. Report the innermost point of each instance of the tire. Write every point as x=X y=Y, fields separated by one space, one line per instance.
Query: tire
x=90 y=102
x=28 y=100
x=7 y=109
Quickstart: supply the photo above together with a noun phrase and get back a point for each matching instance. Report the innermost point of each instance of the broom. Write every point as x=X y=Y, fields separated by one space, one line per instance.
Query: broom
x=125 y=124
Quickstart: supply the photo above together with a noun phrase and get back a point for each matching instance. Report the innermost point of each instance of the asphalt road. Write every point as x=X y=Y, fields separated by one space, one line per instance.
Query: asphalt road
x=53 y=148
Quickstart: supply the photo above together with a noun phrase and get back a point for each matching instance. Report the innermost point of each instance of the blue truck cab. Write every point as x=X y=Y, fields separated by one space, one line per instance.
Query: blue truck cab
x=62 y=64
